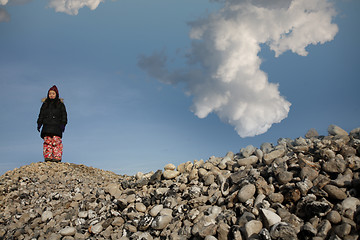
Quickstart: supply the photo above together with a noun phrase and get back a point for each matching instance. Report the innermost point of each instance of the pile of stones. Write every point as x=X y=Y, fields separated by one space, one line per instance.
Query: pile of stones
x=306 y=188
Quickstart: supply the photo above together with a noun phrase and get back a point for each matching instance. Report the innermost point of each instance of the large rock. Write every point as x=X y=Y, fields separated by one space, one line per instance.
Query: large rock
x=336 y=130
x=170 y=174
x=246 y=192
x=269 y=157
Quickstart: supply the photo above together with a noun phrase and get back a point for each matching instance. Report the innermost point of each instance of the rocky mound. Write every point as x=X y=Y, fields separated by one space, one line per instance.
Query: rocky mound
x=307 y=188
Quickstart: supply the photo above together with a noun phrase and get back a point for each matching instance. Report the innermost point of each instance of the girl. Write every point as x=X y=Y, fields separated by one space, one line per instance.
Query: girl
x=53 y=118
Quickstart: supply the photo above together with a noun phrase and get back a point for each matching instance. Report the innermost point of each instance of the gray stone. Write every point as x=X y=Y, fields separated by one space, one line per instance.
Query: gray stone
x=47 y=215
x=353 y=162
x=96 y=229
x=335 y=192
x=312 y=133
x=284 y=177
x=252 y=228
x=309 y=173
x=283 y=231
x=324 y=228
x=248 y=161
x=140 y=207
x=83 y=214
x=170 y=174
x=248 y=151
x=355 y=133
x=223 y=231
x=68 y=231
x=334 y=165
x=336 y=130
x=246 y=192
x=334 y=217
x=269 y=157
x=270 y=218
x=113 y=189
x=266 y=147
x=276 y=197
x=155 y=210
x=309 y=230
x=160 y=222
x=343 y=229
x=170 y=167
x=351 y=203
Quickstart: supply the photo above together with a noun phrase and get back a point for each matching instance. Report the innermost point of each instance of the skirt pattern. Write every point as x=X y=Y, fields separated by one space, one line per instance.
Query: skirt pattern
x=53 y=148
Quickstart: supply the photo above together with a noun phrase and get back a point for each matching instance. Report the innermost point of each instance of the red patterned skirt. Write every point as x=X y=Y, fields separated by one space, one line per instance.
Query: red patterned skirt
x=53 y=148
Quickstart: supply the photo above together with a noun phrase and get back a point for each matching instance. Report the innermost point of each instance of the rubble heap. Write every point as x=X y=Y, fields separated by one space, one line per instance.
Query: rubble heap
x=306 y=188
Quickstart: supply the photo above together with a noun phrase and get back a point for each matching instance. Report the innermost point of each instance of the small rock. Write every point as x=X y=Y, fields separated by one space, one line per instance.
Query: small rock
x=68 y=231
x=47 y=215
x=335 y=192
x=270 y=217
x=266 y=147
x=248 y=161
x=170 y=174
x=351 y=203
x=309 y=173
x=334 y=217
x=170 y=167
x=355 y=133
x=113 y=189
x=308 y=230
x=248 y=151
x=323 y=228
x=269 y=157
x=283 y=231
x=343 y=230
x=276 y=197
x=194 y=174
x=160 y=222
x=96 y=229
x=285 y=177
x=83 y=214
x=252 y=228
x=155 y=210
x=223 y=231
x=334 y=165
x=140 y=207
x=246 y=192
x=312 y=133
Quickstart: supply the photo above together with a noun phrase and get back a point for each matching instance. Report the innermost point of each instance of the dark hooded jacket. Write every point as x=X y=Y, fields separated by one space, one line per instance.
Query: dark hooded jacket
x=52 y=117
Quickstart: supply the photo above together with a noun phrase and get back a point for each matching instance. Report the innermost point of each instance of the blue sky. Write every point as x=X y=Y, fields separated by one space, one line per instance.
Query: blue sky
x=135 y=76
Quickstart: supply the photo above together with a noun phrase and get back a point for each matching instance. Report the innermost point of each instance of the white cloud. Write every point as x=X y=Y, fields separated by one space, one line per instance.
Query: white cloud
x=72 y=7
x=223 y=73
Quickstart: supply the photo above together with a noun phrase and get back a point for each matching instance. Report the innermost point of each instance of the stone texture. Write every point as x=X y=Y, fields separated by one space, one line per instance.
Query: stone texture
x=336 y=130
x=246 y=192
x=306 y=188
x=68 y=231
x=270 y=218
x=170 y=174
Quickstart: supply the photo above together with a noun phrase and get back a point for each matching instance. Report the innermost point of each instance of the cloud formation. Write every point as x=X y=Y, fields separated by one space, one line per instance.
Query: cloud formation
x=223 y=67
x=72 y=7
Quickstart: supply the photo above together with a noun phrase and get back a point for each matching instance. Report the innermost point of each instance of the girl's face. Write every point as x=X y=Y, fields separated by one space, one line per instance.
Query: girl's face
x=52 y=94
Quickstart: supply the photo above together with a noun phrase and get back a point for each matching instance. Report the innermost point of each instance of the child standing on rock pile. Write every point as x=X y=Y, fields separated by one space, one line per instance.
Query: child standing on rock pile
x=53 y=119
